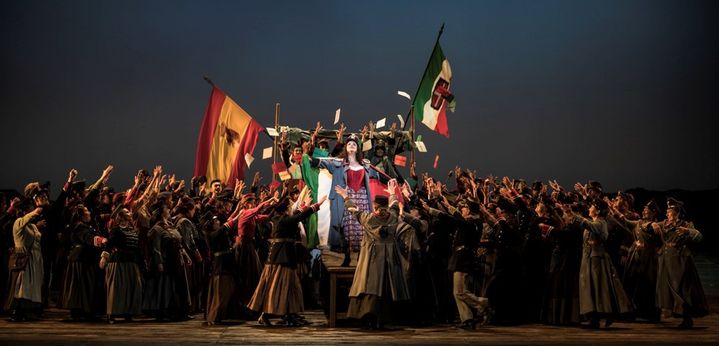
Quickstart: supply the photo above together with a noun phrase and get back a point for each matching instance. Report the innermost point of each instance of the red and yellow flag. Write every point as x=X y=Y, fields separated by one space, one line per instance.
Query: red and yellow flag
x=226 y=135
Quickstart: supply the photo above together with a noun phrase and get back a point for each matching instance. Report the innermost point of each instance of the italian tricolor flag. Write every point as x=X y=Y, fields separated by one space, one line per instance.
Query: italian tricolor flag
x=318 y=182
x=433 y=96
x=227 y=134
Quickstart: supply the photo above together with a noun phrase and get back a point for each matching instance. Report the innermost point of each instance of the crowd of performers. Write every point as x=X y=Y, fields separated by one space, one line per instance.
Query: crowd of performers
x=483 y=251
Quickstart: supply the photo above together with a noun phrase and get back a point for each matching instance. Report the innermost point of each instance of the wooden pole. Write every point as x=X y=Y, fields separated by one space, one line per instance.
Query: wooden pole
x=208 y=80
x=411 y=135
x=275 y=145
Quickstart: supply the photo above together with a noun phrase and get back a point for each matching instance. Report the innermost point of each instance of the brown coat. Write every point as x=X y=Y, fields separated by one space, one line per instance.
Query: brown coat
x=380 y=257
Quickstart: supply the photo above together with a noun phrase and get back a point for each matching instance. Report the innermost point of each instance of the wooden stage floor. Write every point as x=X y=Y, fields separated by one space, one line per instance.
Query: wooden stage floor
x=54 y=331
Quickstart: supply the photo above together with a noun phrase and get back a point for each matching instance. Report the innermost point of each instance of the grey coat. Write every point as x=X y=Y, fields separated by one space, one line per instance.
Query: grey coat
x=600 y=289
x=380 y=257
x=28 y=282
x=679 y=288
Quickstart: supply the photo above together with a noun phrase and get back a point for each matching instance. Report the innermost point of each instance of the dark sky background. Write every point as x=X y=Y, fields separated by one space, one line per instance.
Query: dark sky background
x=624 y=92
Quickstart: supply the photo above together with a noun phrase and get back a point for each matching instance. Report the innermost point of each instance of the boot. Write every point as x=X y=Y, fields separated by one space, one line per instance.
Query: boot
x=17 y=316
x=264 y=321
x=687 y=323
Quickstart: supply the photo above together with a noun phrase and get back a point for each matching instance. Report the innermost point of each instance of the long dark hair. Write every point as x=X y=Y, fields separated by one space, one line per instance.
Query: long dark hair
x=358 y=155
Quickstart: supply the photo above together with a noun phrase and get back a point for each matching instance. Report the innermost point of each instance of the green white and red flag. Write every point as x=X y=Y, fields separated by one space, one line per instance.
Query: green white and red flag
x=433 y=97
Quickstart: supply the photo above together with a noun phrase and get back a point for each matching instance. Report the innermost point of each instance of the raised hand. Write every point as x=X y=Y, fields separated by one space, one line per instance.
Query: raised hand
x=256 y=179
x=406 y=191
x=391 y=186
x=581 y=189
x=317 y=131
x=308 y=200
x=341 y=132
x=364 y=133
x=341 y=191
x=506 y=182
x=240 y=186
x=71 y=175
x=202 y=188
x=106 y=172
x=445 y=202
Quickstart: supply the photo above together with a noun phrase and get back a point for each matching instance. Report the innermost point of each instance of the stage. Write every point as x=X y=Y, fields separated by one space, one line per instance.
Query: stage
x=53 y=331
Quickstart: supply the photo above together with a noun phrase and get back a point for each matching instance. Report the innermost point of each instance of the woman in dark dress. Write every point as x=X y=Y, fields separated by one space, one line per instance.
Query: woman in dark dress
x=279 y=291
x=679 y=289
x=167 y=294
x=222 y=291
x=121 y=260
x=190 y=238
x=83 y=281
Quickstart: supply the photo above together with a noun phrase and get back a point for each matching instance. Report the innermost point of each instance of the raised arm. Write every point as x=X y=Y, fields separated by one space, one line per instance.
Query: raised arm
x=690 y=232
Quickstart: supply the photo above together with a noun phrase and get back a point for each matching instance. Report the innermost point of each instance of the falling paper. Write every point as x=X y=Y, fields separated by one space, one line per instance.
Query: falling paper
x=436 y=160
x=266 y=153
x=400 y=160
x=380 y=123
x=419 y=138
x=337 y=115
x=272 y=132
x=404 y=94
x=401 y=120
x=249 y=159
x=420 y=146
x=367 y=145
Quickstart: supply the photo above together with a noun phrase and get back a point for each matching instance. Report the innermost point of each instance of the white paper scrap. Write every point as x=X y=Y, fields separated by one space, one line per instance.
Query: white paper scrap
x=337 y=115
x=266 y=153
x=272 y=132
x=404 y=94
x=380 y=123
x=249 y=159
x=420 y=146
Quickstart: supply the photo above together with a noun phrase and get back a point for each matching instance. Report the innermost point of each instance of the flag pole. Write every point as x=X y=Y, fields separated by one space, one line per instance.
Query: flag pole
x=275 y=143
x=411 y=135
x=441 y=30
x=208 y=80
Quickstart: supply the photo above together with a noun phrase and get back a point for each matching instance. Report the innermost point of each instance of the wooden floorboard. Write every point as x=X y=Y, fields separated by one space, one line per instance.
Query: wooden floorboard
x=54 y=331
